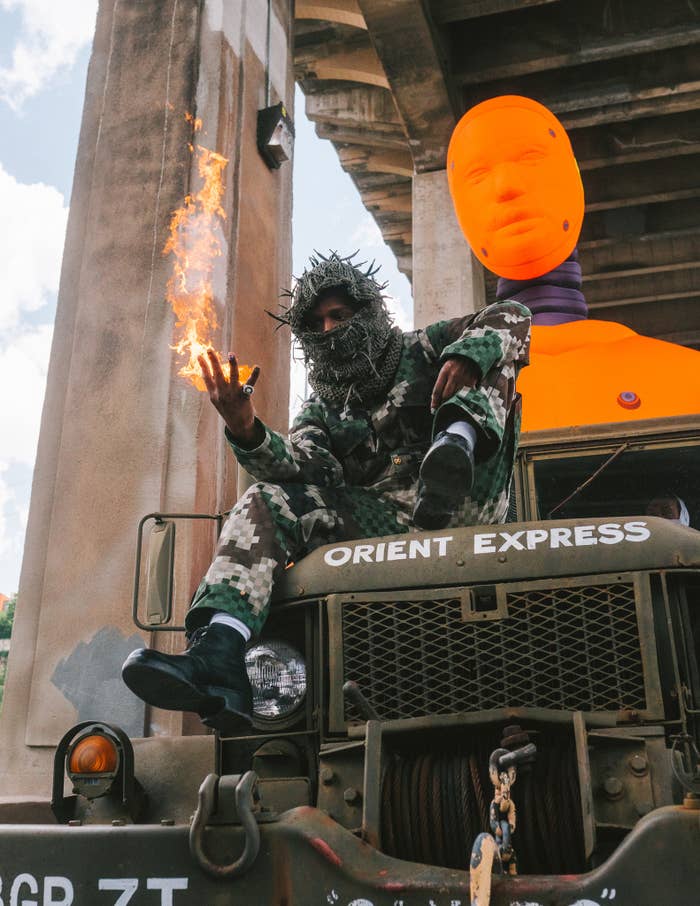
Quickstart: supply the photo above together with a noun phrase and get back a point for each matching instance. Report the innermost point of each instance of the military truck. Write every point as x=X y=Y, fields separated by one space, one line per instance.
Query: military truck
x=389 y=672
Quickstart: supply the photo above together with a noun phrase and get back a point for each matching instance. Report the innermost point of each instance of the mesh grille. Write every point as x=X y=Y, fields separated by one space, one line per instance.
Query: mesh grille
x=563 y=648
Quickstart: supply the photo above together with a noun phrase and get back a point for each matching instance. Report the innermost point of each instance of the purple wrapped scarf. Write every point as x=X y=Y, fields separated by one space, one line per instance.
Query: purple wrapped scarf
x=553 y=298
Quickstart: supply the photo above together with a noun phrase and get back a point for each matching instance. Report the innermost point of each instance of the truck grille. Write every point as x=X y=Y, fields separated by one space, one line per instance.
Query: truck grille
x=574 y=648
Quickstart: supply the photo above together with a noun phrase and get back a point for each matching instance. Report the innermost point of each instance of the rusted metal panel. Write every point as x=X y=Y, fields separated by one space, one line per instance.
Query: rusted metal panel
x=680 y=428
x=307 y=858
x=649 y=648
x=585 y=785
x=371 y=816
x=336 y=715
x=340 y=788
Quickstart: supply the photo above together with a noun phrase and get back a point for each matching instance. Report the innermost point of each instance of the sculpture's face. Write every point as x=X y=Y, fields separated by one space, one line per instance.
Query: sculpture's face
x=516 y=187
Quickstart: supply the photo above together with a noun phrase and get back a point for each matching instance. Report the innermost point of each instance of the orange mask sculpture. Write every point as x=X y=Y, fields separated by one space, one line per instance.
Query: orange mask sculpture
x=515 y=186
x=518 y=196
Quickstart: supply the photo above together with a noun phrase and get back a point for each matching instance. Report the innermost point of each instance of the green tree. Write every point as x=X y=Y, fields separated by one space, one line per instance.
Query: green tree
x=7 y=618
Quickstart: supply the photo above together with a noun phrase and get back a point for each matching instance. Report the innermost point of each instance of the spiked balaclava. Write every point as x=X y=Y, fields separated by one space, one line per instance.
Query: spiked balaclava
x=356 y=361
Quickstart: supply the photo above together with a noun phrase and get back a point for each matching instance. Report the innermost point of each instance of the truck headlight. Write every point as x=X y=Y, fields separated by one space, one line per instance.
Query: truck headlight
x=277 y=674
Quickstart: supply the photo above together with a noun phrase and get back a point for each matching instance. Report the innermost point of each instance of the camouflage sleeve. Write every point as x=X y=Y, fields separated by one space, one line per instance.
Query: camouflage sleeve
x=305 y=456
x=497 y=334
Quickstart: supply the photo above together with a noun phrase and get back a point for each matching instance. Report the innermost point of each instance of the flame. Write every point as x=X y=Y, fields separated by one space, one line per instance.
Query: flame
x=194 y=241
x=244 y=372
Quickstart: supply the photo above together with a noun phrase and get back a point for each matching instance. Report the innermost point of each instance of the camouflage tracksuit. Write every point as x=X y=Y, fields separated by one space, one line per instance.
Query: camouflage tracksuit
x=352 y=473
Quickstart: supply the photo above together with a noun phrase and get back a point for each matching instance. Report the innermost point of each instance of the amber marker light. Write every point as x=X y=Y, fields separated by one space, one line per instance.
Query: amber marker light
x=93 y=762
x=93 y=755
x=98 y=760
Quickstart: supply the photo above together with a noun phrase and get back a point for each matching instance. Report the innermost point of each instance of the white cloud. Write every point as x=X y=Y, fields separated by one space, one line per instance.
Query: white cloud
x=31 y=243
x=402 y=315
x=31 y=240
x=52 y=34
x=367 y=237
x=5 y=498
x=24 y=357
x=11 y=539
x=367 y=234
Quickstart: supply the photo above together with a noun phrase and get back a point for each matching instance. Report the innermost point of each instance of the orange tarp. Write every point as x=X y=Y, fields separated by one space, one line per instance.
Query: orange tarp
x=578 y=371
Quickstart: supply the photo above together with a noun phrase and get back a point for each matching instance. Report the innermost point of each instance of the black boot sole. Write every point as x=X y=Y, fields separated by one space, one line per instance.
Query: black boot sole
x=163 y=686
x=443 y=469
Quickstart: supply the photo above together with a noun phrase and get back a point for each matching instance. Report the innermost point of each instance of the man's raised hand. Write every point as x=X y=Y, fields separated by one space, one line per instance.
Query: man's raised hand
x=229 y=399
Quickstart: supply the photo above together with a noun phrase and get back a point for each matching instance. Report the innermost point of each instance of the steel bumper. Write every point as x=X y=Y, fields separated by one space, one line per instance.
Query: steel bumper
x=306 y=858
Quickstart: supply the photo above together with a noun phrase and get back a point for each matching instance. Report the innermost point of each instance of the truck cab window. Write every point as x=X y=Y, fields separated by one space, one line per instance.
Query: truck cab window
x=624 y=487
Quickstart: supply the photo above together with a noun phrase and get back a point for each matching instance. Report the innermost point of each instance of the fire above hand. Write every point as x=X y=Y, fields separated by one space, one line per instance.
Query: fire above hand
x=195 y=244
x=245 y=372
x=247 y=375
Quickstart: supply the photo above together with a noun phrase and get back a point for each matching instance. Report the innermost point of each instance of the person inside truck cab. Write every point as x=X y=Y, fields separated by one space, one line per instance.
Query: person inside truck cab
x=403 y=431
x=669 y=506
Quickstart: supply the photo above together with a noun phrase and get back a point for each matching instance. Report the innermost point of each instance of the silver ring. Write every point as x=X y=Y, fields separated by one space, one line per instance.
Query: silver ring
x=248 y=389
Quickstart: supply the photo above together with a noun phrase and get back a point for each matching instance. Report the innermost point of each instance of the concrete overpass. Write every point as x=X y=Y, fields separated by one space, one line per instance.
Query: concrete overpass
x=386 y=80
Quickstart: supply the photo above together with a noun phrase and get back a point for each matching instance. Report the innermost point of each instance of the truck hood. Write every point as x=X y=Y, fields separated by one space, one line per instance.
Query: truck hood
x=488 y=554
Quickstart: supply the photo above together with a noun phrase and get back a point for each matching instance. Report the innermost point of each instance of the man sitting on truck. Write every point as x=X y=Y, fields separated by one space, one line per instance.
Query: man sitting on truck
x=404 y=431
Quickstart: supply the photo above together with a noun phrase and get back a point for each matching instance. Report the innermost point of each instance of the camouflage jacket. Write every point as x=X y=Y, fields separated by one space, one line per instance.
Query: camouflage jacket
x=382 y=447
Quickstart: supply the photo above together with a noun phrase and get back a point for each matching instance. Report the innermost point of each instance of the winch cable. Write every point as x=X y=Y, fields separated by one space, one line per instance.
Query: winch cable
x=437 y=811
x=424 y=807
x=415 y=805
x=434 y=805
x=481 y=801
x=388 y=829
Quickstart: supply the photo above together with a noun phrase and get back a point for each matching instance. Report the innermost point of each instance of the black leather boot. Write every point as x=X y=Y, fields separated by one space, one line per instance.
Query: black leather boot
x=209 y=678
x=445 y=478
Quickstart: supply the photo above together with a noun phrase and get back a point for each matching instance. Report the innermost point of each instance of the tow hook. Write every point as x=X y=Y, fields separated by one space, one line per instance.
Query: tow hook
x=485 y=862
x=493 y=853
x=245 y=797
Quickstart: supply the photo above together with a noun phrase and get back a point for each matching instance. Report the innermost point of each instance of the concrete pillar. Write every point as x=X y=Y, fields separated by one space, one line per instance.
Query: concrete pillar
x=448 y=281
x=122 y=435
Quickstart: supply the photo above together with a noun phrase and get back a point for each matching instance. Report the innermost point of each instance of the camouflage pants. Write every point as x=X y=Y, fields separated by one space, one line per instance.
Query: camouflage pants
x=274 y=524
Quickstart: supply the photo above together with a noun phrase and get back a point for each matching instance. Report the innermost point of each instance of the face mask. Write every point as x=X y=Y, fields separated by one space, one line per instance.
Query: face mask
x=357 y=360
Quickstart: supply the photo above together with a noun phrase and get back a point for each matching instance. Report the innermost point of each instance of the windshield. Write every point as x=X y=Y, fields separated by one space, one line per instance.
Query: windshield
x=635 y=481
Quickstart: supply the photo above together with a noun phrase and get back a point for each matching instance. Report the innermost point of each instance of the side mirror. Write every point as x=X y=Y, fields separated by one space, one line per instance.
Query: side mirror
x=159 y=573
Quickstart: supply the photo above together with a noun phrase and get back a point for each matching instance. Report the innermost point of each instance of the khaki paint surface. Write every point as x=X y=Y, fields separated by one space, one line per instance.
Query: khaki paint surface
x=121 y=434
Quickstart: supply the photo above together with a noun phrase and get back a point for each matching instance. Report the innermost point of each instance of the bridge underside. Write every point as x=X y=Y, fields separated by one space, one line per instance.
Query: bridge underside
x=386 y=81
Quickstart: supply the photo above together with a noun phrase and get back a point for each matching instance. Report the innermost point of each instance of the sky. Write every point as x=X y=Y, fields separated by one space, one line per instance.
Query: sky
x=44 y=53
